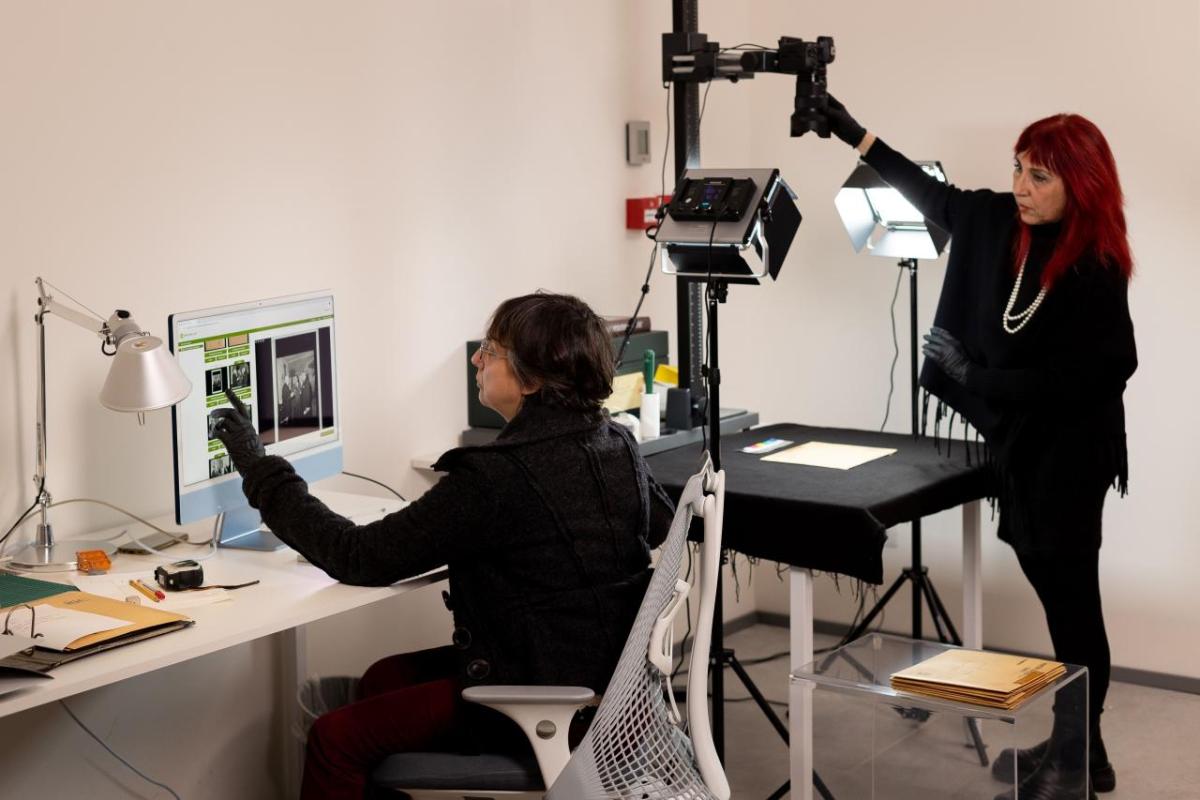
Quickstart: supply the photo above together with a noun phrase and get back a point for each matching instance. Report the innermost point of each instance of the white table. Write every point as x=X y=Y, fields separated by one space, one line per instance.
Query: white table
x=290 y=595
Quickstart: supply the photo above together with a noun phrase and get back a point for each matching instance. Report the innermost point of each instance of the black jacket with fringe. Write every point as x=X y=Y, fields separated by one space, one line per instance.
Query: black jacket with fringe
x=1047 y=399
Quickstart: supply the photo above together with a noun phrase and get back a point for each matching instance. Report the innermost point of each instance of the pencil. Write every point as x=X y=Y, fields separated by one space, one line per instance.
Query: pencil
x=158 y=593
x=141 y=587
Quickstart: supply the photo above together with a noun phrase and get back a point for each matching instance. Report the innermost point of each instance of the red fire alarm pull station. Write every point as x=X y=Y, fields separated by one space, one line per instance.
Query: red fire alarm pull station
x=639 y=211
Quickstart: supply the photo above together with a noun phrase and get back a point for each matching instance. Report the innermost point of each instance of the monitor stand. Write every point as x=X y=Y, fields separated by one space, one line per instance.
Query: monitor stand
x=243 y=530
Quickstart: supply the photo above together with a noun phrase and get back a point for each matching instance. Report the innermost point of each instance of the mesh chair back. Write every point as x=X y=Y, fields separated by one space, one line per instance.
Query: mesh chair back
x=634 y=747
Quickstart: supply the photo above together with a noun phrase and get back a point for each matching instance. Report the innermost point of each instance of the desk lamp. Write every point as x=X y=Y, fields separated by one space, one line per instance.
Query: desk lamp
x=143 y=377
x=882 y=222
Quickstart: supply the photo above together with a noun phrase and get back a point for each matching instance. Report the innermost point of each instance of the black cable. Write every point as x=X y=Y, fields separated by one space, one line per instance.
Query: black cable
x=653 y=237
x=112 y=753
x=26 y=513
x=703 y=105
x=20 y=519
x=377 y=483
x=895 y=353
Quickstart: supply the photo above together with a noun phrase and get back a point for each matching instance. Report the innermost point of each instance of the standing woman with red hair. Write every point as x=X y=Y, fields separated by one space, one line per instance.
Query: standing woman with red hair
x=1032 y=344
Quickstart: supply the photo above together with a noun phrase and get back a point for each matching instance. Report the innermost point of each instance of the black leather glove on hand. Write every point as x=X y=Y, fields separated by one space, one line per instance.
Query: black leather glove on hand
x=842 y=125
x=948 y=353
x=236 y=431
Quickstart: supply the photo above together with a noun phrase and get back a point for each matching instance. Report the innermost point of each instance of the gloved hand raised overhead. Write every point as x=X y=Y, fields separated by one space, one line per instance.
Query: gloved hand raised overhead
x=842 y=125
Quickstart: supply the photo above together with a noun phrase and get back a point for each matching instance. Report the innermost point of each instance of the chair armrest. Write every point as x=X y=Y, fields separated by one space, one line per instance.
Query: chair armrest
x=574 y=696
x=544 y=714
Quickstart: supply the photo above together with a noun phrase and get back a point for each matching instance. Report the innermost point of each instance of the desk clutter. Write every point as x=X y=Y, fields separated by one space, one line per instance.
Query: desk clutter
x=65 y=624
x=994 y=680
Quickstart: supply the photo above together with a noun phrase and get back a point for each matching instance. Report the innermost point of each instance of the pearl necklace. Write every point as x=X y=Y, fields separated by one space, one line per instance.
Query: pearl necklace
x=1021 y=319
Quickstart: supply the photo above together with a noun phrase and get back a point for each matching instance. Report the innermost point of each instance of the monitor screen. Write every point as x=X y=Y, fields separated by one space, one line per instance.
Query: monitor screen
x=279 y=357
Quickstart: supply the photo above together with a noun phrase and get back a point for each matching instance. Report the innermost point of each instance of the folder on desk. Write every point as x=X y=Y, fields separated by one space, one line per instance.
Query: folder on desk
x=996 y=680
x=122 y=623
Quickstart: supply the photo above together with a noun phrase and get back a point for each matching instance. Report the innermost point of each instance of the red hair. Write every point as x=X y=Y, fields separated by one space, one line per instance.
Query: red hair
x=1093 y=223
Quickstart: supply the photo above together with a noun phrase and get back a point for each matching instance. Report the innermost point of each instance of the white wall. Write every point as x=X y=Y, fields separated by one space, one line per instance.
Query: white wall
x=956 y=82
x=425 y=161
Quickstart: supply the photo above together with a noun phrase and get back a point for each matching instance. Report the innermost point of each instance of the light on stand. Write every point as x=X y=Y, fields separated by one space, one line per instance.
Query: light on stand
x=144 y=376
x=880 y=220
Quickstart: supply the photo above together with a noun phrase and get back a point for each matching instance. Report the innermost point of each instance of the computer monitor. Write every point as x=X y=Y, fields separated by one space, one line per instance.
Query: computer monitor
x=279 y=357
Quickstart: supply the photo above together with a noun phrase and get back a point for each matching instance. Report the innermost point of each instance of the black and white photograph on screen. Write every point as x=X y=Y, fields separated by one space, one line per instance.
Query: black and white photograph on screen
x=221 y=465
x=211 y=424
x=239 y=375
x=296 y=385
x=218 y=379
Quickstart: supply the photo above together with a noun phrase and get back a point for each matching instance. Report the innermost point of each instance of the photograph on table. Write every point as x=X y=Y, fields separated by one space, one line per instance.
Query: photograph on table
x=221 y=465
x=239 y=375
x=218 y=379
x=296 y=394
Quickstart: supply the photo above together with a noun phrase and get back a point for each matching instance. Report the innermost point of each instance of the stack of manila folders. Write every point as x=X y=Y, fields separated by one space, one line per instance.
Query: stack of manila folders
x=995 y=680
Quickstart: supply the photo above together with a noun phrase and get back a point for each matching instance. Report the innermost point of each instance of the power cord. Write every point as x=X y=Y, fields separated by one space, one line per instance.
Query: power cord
x=895 y=352
x=112 y=753
x=377 y=483
x=651 y=234
x=179 y=536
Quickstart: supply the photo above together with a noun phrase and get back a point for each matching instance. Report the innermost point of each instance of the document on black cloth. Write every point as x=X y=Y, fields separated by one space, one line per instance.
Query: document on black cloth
x=831 y=456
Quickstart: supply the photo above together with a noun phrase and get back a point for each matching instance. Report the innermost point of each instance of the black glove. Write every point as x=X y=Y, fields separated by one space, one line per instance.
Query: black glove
x=948 y=353
x=842 y=125
x=235 y=429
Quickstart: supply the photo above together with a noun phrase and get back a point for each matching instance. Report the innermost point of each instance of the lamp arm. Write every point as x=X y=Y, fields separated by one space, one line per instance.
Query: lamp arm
x=86 y=321
x=113 y=331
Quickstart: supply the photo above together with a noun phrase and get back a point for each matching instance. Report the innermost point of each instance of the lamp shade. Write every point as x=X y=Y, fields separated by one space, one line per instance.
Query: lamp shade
x=880 y=219
x=144 y=376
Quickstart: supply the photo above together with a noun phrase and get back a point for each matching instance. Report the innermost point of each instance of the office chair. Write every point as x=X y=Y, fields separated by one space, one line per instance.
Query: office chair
x=636 y=746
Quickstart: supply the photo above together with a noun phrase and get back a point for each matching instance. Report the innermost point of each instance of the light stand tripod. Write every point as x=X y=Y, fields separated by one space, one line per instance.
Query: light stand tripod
x=717 y=292
x=923 y=590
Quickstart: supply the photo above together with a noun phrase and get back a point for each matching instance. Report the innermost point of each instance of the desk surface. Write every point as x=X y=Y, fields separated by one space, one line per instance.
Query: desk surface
x=828 y=519
x=290 y=594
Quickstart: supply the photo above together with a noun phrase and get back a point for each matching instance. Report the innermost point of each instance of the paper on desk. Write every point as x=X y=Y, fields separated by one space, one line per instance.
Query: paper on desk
x=833 y=456
x=626 y=393
x=57 y=627
x=116 y=587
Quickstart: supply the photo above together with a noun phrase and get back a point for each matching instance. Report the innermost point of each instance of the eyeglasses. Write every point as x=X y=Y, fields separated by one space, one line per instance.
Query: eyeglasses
x=487 y=349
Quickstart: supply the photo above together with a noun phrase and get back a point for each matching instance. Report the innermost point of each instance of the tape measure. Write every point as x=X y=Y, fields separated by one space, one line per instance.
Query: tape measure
x=180 y=575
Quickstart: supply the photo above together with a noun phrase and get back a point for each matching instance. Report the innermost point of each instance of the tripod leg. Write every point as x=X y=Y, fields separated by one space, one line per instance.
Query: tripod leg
x=822 y=789
x=877 y=609
x=940 y=610
x=977 y=741
x=921 y=583
x=748 y=682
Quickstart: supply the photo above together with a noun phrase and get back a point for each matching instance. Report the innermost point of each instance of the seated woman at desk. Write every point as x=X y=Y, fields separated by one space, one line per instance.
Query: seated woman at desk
x=547 y=533
x=1033 y=345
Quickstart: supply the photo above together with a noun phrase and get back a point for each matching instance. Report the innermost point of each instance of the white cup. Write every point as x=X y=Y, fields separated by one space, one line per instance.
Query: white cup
x=648 y=417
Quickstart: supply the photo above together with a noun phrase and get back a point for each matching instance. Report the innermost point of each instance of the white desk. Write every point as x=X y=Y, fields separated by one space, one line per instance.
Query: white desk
x=290 y=595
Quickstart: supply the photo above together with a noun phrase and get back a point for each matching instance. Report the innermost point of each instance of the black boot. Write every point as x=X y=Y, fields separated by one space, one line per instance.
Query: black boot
x=1027 y=759
x=1051 y=781
x=1104 y=777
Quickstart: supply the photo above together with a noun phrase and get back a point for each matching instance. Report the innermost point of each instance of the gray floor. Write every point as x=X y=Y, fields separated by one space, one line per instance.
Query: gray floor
x=1153 y=736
